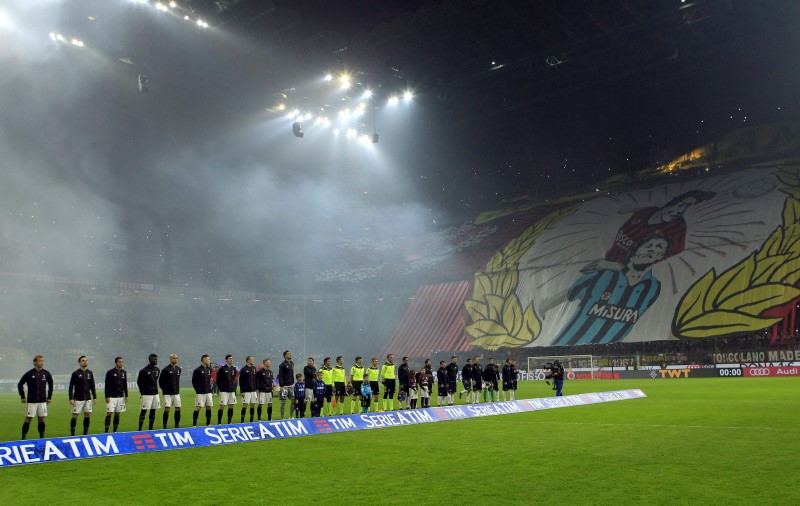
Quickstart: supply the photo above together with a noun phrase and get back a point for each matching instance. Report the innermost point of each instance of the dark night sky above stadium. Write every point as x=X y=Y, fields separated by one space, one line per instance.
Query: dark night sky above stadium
x=201 y=182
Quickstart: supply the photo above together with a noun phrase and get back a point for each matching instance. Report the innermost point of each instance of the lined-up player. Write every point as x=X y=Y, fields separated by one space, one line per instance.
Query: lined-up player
x=82 y=395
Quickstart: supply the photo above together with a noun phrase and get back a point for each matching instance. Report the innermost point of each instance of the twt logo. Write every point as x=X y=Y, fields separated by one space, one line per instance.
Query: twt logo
x=674 y=373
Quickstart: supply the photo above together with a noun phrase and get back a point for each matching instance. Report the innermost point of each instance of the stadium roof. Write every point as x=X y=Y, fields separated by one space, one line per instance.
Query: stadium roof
x=616 y=85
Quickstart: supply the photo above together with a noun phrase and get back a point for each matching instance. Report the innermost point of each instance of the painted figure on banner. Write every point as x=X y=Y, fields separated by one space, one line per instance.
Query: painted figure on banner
x=612 y=301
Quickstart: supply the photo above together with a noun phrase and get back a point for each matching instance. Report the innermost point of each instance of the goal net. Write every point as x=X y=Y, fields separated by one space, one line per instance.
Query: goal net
x=574 y=366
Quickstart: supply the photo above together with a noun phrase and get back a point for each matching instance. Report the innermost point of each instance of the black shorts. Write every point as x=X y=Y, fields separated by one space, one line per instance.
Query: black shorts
x=375 y=386
x=495 y=386
x=357 y=388
x=388 y=388
x=452 y=387
x=514 y=385
x=467 y=385
x=339 y=389
x=506 y=386
x=476 y=385
x=328 y=392
x=442 y=390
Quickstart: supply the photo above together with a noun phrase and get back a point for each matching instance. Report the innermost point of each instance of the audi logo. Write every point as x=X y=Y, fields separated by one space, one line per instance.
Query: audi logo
x=759 y=371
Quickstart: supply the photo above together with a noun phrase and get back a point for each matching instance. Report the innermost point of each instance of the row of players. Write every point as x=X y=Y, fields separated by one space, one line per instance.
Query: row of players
x=317 y=388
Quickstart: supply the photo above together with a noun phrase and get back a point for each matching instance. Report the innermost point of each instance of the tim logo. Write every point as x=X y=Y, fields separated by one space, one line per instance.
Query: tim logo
x=144 y=442
x=323 y=426
x=440 y=414
x=605 y=296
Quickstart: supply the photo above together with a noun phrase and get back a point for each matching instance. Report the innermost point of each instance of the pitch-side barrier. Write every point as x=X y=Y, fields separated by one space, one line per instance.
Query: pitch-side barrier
x=37 y=451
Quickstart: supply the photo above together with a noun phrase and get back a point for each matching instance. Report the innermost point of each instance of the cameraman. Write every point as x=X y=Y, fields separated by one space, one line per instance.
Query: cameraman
x=556 y=373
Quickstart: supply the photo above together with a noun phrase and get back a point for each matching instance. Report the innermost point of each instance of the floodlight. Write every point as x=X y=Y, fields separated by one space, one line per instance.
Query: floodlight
x=328 y=77
x=368 y=94
x=173 y=4
x=407 y=96
x=393 y=100
x=52 y=36
x=297 y=129
x=161 y=6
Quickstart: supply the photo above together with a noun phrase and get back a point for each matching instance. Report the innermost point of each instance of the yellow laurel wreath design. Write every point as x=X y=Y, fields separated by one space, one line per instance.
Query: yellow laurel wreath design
x=497 y=319
x=732 y=301
x=790 y=176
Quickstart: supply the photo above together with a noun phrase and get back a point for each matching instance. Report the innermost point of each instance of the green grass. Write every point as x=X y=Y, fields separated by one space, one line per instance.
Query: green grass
x=695 y=441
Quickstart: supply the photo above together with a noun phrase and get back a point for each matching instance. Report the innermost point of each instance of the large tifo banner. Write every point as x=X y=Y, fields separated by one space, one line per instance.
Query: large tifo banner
x=693 y=259
x=106 y=445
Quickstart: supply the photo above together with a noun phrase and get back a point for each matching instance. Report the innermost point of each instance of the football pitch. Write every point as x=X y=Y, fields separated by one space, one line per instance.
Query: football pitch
x=693 y=441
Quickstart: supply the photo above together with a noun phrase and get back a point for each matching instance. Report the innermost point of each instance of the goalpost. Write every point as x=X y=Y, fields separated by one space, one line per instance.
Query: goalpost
x=570 y=363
